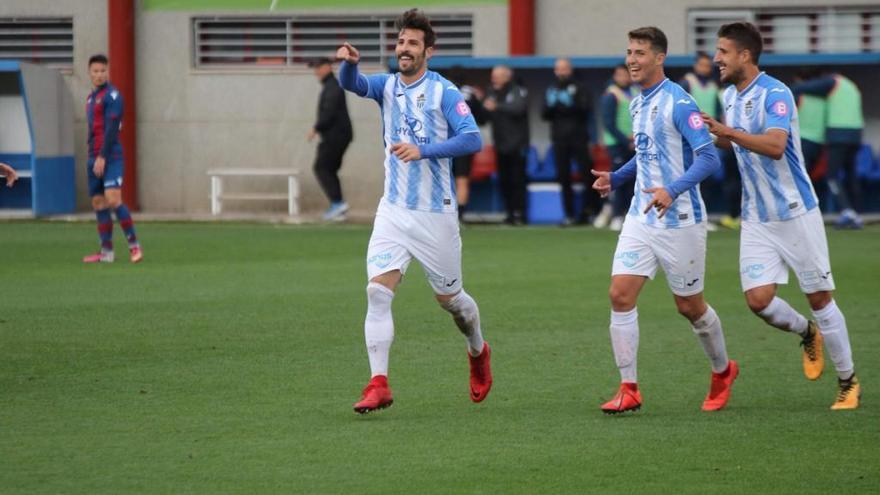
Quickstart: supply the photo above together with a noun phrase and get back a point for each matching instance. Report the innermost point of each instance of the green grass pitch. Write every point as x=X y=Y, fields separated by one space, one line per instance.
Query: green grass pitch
x=228 y=361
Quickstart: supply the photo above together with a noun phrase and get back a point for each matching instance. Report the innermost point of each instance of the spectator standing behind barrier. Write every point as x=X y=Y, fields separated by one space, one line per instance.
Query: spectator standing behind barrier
x=507 y=109
x=614 y=106
x=567 y=107
x=334 y=126
x=843 y=133
x=461 y=165
x=813 y=116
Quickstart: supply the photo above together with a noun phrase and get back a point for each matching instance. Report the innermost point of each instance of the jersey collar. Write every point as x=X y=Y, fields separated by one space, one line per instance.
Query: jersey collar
x=649 y=92
x=751 y=84
x=402 y=86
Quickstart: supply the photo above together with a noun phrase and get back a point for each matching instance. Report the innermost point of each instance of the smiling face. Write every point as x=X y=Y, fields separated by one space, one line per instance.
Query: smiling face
x=98 y=74
x=644 y=63
x=730 y=61
x=412 y=55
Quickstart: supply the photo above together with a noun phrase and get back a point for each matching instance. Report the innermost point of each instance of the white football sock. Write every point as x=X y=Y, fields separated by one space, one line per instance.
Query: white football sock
x=782 y=316
x=466 y=314
x=625 y=342
x=832 y=324
x=378 y=327
x=708 y=330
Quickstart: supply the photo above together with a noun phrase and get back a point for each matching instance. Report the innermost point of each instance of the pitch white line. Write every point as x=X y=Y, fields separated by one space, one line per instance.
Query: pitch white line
x=273 y=5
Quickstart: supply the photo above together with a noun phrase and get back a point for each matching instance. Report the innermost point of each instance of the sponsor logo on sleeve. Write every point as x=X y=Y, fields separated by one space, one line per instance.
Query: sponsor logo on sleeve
x=780 y=108
x=462 y=109
x=695 y=121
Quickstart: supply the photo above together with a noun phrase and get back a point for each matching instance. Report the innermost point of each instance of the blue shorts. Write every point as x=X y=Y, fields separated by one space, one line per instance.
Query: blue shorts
x=112 y=178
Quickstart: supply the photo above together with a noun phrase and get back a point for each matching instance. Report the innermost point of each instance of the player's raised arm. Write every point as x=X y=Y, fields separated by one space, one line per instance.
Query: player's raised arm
x=352 y=80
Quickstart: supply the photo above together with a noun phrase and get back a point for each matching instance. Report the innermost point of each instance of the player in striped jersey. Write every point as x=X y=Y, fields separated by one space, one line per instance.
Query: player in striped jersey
x=666 y=224
x=426 y=123
x=782 y=226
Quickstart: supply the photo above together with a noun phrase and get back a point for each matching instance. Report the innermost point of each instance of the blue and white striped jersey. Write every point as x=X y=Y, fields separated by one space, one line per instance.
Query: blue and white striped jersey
x=773 y=190
x=430 y=110
x=667 y=131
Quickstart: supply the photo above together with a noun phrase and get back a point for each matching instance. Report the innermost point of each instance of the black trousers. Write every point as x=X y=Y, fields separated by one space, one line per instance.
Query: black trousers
x=563 y=154
x=731 y=187
x=512 y=175
x=327 y=164
x=847 y=195
x=622 y=196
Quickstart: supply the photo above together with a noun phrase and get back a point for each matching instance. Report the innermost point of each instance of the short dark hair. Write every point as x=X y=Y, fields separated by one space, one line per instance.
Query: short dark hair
x=701 y=55
x=653 y=35
x=98 y=58
x=416 y=19
x=746 y=36
x=319 y=61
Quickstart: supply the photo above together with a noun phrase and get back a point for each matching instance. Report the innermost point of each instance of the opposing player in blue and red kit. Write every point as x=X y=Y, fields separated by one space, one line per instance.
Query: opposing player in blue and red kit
x=104 y=112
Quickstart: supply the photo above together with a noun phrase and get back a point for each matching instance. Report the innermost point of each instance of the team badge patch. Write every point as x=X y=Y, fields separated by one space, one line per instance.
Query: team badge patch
x=462 y=108
x=420 y=101
x=654 y=112
x=748 y=108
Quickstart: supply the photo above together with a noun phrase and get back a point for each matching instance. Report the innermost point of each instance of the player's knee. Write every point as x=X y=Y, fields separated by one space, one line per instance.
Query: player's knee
x=757 y=301
x=98 y=203
x=113 y=201
x=379 y=299
x=690 y=308
x=621 y=298
x=819 y=300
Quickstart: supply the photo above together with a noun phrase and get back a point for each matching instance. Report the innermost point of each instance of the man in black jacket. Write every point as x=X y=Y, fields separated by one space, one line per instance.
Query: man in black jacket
x=567 y=107
x=334 y=127
x=507 y=108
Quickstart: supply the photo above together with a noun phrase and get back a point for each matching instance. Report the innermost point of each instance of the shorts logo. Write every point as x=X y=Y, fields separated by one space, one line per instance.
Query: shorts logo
x=812 y=277
x=754 y=271
x=113 y=183
x=695 y=121
x=780 y=108
x=675 y=281
x=381 y=260
x=462 y=109
x=627 y=258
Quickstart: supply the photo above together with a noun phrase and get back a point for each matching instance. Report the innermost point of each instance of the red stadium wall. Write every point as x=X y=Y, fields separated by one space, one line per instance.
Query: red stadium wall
x=120 y=18
x=521 y=27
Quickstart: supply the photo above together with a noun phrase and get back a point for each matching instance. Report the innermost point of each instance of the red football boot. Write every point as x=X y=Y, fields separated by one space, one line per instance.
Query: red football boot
x=481 y=374
x=375 y=396
x=719 y=390
x=628 y=398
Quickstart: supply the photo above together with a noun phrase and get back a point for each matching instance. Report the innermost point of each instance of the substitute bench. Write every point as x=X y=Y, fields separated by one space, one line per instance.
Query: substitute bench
x=219 y=174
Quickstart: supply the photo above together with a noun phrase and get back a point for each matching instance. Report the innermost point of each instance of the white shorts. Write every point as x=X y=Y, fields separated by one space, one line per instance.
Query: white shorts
x=768 y=250
x=680 y=252
x=401 y=234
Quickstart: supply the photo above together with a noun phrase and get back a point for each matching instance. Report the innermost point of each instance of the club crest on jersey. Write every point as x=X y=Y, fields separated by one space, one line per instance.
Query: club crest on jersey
x=749 y=107
x=420 y=101
x=654 y=111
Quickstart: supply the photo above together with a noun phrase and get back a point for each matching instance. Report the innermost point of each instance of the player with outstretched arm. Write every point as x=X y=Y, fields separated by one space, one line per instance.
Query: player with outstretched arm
x=426 y=123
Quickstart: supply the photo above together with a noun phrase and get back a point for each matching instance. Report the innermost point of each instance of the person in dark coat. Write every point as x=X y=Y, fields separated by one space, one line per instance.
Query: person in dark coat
x=334 y=126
